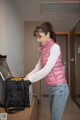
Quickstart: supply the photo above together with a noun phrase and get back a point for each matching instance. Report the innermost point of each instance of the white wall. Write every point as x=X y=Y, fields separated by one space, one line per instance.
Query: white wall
x=31 y=47
x=12 y=36
x=0 y=25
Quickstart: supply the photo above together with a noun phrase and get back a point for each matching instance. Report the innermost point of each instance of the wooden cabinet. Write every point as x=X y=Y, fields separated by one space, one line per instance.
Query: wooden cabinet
x=30 y=113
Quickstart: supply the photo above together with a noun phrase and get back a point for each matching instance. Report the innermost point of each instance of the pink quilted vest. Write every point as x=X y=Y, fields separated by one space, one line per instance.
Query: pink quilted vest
x=56 y=75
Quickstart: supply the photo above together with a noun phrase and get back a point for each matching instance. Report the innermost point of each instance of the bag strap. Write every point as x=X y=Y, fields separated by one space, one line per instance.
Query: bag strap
x=13 y=110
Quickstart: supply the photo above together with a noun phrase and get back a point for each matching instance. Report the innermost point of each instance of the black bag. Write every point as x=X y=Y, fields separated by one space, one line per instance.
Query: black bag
x=16 y=95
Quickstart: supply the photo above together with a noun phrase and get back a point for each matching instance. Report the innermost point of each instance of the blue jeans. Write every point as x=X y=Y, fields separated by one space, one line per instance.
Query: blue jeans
x=58 y=96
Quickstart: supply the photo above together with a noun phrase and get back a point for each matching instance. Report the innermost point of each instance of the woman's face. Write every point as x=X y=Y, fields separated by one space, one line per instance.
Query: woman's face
x=42 y=38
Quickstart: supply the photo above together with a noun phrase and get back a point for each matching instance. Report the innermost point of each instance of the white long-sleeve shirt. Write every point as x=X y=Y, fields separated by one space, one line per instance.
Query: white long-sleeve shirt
x=38 y=73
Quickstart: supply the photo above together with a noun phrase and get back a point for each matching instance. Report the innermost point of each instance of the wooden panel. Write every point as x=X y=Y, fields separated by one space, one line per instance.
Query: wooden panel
x=62 y=40
x=34 y=111
x=72 y=65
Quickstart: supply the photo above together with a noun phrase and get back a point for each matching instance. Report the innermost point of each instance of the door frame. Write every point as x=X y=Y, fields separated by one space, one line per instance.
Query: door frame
x=68 y=49
x=43 y=89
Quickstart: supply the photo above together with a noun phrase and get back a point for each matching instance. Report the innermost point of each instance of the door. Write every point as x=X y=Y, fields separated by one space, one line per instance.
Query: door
x=62 y=40
x=77 y=47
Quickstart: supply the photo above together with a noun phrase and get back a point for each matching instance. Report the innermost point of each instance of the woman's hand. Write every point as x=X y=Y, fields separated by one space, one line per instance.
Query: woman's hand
x=27 y=77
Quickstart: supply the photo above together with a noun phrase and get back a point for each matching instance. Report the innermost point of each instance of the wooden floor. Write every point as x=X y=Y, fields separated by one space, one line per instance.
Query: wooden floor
x=71 y=112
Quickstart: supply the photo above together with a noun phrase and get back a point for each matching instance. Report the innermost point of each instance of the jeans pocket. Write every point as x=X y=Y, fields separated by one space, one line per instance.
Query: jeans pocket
x=64 y=89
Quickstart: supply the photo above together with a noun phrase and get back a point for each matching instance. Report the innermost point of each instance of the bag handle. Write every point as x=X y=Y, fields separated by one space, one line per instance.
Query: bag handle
x=13 y=110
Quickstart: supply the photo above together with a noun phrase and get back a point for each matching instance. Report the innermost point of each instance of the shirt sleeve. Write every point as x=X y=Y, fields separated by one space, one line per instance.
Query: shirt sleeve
x=52 y=59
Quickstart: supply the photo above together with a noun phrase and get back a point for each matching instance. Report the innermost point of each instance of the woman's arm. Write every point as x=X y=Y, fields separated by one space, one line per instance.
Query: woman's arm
x=54 y=55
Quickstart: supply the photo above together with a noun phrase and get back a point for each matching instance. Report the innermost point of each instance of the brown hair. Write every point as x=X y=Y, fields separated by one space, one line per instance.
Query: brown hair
x=45 y=27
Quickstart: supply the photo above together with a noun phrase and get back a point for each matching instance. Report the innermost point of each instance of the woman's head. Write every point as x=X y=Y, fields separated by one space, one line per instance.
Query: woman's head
x=46 y=29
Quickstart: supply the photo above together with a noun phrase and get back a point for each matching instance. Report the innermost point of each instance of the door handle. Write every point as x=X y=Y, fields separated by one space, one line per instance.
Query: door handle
x=72 y=60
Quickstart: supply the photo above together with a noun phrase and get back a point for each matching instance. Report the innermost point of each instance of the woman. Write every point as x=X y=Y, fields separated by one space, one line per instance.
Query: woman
x=50 y=67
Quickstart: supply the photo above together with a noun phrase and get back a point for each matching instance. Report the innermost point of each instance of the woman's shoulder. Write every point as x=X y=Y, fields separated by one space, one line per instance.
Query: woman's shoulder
x=55 y=45
x=55 y=48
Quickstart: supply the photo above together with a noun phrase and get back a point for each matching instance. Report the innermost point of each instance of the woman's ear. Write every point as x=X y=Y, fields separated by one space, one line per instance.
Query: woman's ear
x=48 y=35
